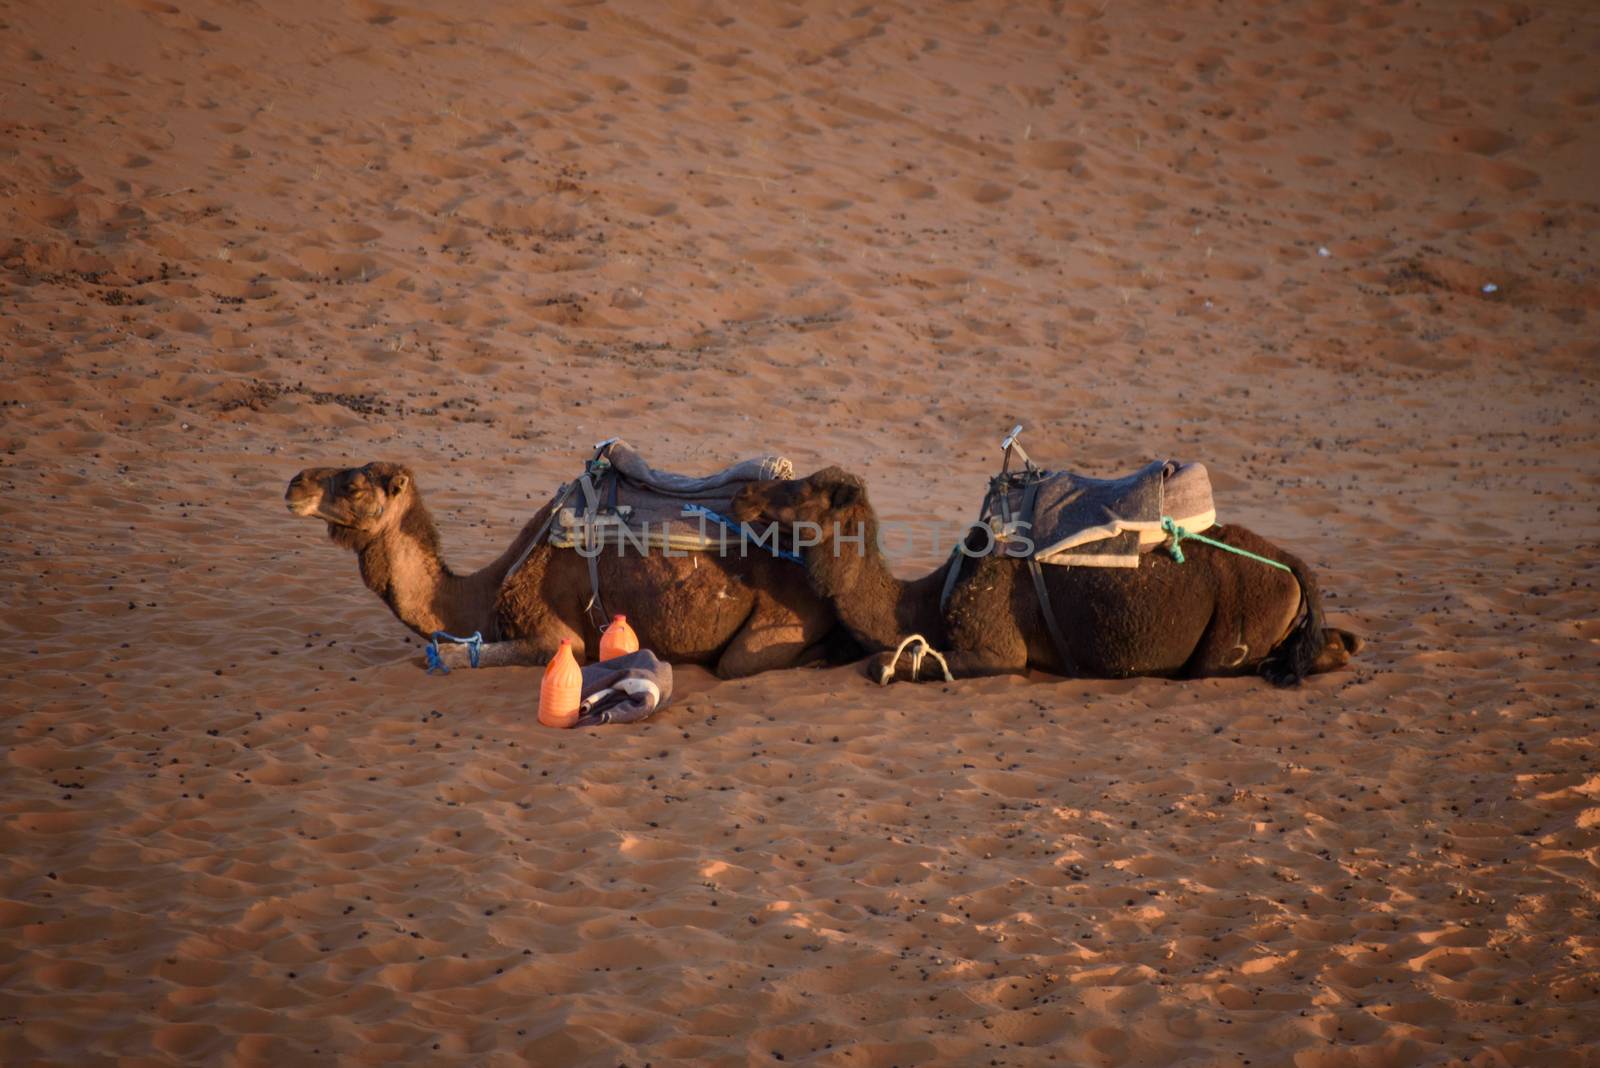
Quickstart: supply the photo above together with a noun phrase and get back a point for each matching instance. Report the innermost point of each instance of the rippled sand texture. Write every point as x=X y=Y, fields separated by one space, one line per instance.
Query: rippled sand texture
x=240 y=826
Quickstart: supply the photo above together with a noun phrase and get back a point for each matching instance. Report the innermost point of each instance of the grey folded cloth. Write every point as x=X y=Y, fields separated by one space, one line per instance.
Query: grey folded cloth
x=624 y=689
x=632 y=466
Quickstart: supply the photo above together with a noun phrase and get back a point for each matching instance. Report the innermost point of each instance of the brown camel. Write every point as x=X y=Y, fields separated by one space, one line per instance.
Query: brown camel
x=739 y=615
x=1216 y=614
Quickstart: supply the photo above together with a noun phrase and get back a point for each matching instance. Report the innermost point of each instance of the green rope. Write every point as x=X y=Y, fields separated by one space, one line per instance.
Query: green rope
x=1179 y=534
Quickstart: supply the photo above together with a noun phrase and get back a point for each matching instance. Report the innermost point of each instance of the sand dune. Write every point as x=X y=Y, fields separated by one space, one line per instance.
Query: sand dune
x=241 y=827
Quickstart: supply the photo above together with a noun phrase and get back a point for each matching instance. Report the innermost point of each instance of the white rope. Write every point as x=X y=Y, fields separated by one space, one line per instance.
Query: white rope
x=919 y=650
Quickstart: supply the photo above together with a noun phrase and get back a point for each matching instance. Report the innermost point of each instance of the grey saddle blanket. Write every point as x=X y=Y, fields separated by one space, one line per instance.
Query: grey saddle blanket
x=621 y=492
x=624 y=689
x=1098 y=522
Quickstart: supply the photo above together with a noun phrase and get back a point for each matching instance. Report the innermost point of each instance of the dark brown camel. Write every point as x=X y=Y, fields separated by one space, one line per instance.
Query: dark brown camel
x=738 y=615
x=1215 y=614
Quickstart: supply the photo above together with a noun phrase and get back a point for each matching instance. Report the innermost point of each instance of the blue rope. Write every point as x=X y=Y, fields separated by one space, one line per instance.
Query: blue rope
x=1179 y=535
x=436 y=664
x=718 y=517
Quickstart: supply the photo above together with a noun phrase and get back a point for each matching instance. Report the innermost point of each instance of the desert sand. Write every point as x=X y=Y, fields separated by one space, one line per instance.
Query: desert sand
x=240 y=826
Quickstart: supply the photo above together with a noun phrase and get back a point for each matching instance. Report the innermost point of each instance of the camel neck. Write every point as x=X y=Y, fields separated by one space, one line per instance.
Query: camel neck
x=877 y=608
x=402 y=565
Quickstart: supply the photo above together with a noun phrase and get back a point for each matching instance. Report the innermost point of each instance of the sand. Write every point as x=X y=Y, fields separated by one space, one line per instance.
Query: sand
x=240 y=826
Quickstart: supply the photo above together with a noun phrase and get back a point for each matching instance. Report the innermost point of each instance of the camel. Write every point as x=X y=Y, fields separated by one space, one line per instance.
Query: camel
x=738 y=615
x=1216 y=614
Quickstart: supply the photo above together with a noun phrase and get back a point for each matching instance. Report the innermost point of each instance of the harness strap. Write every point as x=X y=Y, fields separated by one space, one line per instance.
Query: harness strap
x=595 y=608
x=612 y=479
x=952 y=575
x=557 y=503
x=599 y=467
x=591 y=499
x=701 y=512
x=999 y=488
x=1069 y=667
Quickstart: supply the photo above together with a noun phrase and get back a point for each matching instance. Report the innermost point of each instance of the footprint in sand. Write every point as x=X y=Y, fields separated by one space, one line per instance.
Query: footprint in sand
x=54 y=211
x=668 y=84
x=608 y=83
x=1050 y=155
x=1475 y=139
x=1508 y=177
x=341 y=266
x=187 y=1040
x=912 y=189
x=823 y=202
x=1373 y=142
x=353 y=232
x=982 y=192
x=652 y=206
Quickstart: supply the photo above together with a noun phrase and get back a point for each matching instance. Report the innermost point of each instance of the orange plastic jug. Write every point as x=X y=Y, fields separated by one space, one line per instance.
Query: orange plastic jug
x=619 y=639
x=561 y=690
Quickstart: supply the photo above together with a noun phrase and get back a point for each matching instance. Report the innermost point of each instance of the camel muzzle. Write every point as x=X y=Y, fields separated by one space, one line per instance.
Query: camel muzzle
x=304 y=496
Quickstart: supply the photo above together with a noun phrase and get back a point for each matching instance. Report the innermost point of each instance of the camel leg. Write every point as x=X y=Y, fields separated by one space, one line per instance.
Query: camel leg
x=1224 y=648
x=771 y=638
x=782 y=629
x=526 y=652
x=816 y=655
x=984 y=636
x=490 y=654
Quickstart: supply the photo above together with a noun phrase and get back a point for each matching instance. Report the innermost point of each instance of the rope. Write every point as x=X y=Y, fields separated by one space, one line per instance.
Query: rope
x=436 y=664
x=1179 y=535
x=919 y=649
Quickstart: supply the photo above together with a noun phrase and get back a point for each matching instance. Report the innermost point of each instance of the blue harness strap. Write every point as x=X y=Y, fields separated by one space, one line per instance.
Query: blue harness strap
x=436 y=663
x=722 y=520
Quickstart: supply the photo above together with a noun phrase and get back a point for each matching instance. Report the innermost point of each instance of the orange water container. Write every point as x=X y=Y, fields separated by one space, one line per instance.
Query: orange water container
x=561 y=690
x=619 y=639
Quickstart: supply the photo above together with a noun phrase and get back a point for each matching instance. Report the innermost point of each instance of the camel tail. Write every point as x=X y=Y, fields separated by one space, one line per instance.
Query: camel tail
x=1295 y=656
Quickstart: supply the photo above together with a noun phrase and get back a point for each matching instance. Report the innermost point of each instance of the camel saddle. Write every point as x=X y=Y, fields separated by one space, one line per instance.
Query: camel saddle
x=1097 y=522
x=620 y=503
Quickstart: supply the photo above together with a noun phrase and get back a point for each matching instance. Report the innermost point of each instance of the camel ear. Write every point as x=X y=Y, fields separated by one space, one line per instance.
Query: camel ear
x=398 y=483
x=845 y=494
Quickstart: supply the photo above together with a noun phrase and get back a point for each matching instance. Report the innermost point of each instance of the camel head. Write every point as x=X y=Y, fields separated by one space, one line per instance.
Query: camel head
x=820 y=498
x=1339 y=645
x=357 y=503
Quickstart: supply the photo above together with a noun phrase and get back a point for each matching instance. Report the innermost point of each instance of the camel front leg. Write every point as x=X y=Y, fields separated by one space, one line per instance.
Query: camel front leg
x=769 y=640
x=783 y=628
x=981 y=622
x=520 y=653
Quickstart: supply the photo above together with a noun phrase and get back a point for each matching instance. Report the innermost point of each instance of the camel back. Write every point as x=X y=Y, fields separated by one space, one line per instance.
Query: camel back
x=622 y=502
x=1071 y=519
x=1097 y=522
